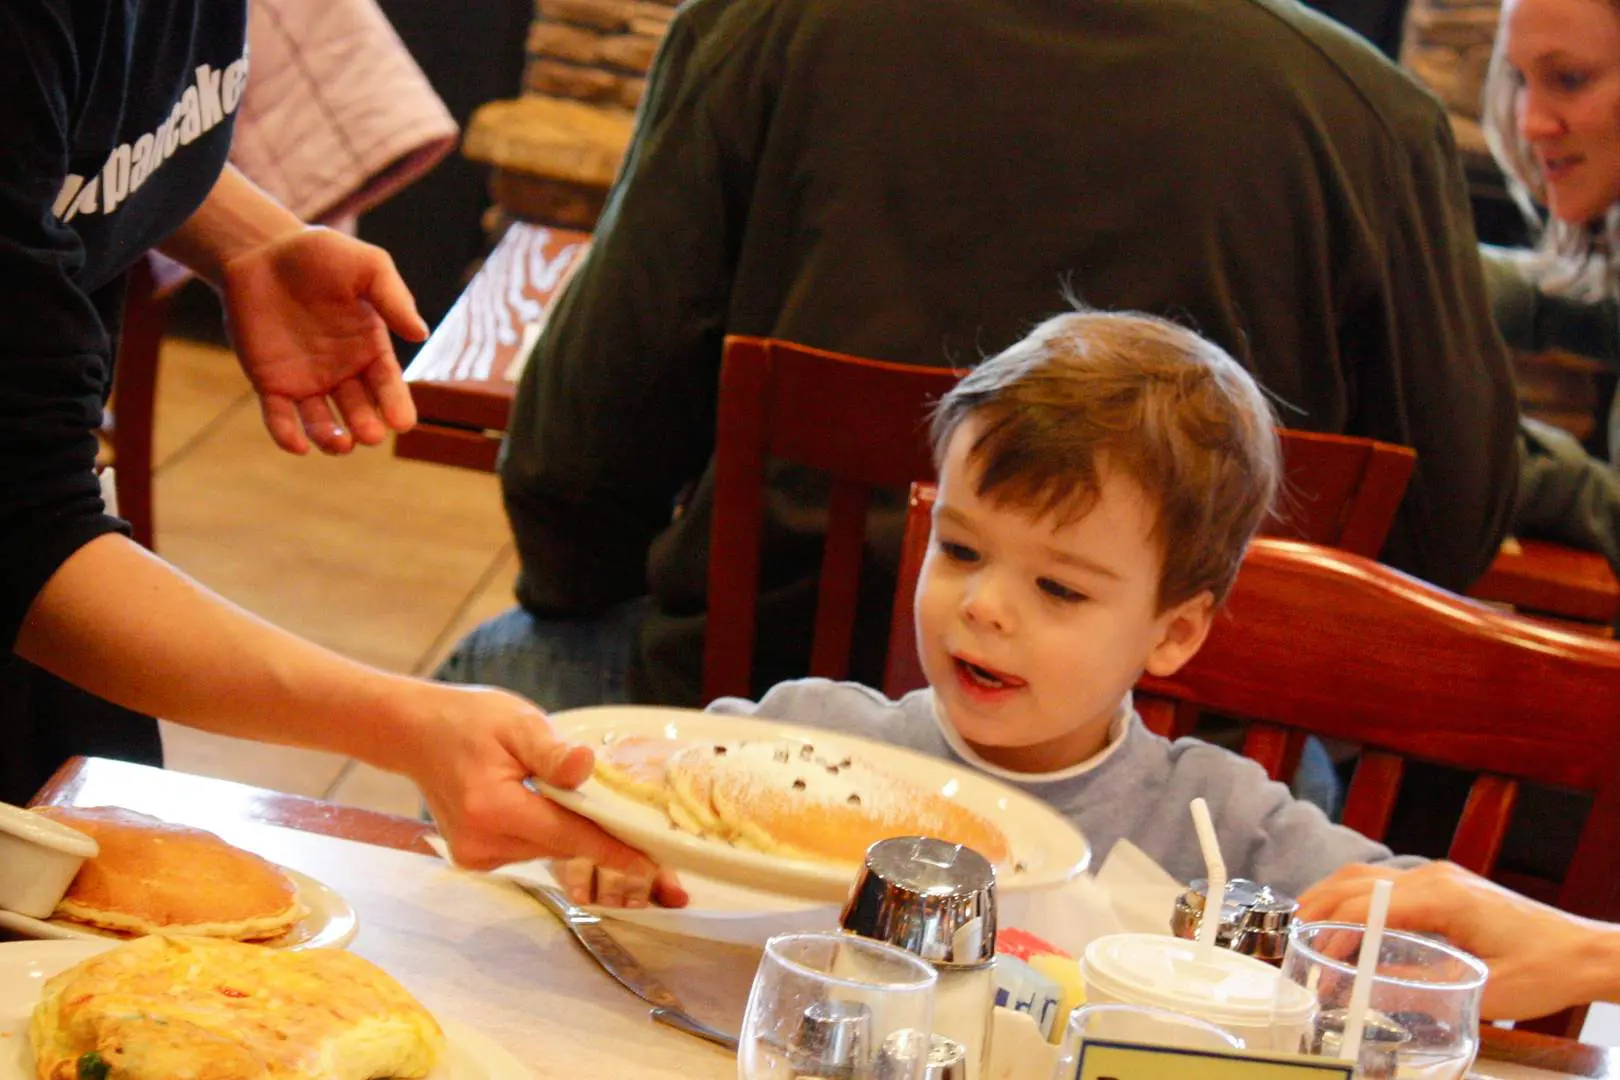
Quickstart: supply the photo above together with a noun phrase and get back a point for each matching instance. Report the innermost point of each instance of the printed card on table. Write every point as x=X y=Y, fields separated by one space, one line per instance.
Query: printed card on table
x=1103 y=1060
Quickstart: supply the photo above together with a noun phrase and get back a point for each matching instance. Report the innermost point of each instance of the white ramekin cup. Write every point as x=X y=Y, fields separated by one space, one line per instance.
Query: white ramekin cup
x=38 y=858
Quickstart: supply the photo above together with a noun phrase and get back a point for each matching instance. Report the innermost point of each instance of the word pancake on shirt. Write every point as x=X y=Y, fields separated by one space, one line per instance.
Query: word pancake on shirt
x=165 y=1008
x=783 y=797
x=153 y=877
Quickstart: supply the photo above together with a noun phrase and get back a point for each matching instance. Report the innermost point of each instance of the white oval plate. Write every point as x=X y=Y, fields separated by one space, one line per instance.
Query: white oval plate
x=25 y=965
x=1049 y=849
x=330 y=924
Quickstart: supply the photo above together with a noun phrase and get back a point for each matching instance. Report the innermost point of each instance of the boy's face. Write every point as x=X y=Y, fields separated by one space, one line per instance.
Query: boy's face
x=1031 y=633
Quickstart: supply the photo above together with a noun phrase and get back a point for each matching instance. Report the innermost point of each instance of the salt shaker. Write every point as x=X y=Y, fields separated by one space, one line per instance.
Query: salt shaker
x=1254 y=918
x=937 y=900
x=831 y=1040
x=1381 y=1042
x=942 y=1058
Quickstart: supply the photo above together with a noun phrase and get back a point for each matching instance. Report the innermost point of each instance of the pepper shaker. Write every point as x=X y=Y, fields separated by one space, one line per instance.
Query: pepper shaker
x=1254 y=918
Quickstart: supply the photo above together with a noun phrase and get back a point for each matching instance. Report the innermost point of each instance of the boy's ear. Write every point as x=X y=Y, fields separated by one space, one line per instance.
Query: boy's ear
x=1184 y=628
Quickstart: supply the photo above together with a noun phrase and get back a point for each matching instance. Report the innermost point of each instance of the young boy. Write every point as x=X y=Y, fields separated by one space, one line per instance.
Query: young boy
x=1098 y=484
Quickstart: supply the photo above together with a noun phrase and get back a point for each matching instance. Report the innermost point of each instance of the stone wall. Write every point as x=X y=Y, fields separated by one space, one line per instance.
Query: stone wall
x=594 y=51
x=557 y=147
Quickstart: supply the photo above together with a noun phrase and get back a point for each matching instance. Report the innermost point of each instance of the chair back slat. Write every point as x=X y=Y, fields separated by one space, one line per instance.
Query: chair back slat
x=902 y=672
x=1267 y=744
x=838 y=592
x=1370 y=802
x=739 y=514
x=1339 y=490
x=1484 y=823
x=864 y=422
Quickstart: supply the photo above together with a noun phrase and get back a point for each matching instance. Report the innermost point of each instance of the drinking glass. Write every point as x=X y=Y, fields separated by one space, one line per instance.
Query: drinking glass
x=1138 y=1024
x=1423 y=1012
x=836 y=1005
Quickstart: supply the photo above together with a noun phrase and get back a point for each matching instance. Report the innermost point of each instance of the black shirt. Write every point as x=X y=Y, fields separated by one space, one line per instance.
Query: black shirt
x=115 y=122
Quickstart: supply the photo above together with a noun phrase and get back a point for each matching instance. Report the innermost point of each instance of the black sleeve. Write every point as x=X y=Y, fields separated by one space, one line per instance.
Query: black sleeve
x=614 y=413
x=1449 y=381
x=54 y=350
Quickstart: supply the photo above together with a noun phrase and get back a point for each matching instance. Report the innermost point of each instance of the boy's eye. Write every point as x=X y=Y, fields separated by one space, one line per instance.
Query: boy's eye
x=958 y=552
x=1059 y=591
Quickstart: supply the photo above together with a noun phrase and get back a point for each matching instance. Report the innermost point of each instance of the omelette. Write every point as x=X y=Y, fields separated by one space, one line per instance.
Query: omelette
x=191 y=1008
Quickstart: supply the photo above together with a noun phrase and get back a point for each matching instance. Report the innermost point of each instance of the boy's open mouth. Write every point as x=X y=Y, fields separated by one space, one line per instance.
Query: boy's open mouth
x=985 y=678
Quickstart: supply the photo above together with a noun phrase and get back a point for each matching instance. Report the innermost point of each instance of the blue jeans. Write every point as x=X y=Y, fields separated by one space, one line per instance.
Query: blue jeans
x=556 y=663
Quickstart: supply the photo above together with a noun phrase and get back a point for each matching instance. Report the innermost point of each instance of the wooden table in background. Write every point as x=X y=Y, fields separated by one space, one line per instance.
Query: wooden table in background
x=478 y=950
x=466 y=373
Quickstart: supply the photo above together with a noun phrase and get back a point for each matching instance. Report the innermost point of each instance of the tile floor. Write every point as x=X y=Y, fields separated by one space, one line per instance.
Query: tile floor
x=384 y=560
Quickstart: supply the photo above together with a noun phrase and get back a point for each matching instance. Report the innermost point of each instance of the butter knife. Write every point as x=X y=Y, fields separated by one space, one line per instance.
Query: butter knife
x=588 y=930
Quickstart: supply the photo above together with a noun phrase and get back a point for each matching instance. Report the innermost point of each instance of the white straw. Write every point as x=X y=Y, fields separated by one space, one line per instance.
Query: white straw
x=1372 y=940
x=1215 y=873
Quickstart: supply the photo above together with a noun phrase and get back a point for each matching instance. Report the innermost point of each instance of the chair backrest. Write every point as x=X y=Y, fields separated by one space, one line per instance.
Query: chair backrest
x=1341 y=491
x=863 y=422
x=1315 y=641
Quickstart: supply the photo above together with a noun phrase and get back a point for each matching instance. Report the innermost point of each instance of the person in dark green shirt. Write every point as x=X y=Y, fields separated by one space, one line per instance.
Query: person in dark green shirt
x=918 y=182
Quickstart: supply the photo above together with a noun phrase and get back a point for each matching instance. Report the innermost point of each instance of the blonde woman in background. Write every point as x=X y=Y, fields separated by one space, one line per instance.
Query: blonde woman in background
x=1552 y=118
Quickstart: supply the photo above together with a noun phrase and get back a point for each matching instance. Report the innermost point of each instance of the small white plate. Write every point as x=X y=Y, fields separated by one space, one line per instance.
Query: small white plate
x=330 y=924
x=1048 y=849
x=25 y=965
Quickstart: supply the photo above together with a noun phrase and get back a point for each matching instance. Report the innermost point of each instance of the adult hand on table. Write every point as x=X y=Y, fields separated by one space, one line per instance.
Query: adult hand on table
x=1540 y=959
x=472 y=750
x=309 y=314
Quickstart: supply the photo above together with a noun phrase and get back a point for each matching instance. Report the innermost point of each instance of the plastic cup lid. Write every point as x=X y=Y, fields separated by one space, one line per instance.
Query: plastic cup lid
x=1152 y=969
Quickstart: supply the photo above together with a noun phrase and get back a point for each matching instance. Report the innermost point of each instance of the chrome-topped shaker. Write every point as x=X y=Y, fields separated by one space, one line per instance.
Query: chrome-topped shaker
x=832 y=1040
x=937 y=900
x=941 y=1058
x=1255 y=919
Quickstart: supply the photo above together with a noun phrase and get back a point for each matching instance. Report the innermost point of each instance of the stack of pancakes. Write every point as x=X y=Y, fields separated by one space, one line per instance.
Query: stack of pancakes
x=784 y=797
x=153 y=877
x=163 y=1008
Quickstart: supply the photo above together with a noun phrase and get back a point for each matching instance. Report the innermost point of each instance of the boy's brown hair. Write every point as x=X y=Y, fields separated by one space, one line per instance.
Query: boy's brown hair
x=1151 y=399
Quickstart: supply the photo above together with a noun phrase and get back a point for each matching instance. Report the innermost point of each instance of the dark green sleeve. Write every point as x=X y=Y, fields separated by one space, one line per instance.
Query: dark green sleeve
x=615 y=411
x=1533 y=320
x=1452 y=379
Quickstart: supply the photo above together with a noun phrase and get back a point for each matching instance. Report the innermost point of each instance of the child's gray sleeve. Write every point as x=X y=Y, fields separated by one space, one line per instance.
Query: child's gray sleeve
x=1275 y=838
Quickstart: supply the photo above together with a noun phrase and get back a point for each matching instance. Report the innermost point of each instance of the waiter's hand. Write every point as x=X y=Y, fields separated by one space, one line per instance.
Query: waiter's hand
x=470 y=749
x=309 y=314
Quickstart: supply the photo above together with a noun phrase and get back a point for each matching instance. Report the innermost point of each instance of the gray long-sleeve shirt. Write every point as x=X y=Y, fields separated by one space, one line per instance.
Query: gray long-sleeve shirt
x=1137 y=790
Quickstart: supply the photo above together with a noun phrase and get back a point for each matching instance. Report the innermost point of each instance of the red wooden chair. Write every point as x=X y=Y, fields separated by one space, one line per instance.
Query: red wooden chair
x=1553 y=581
x=1336 y=645
x=864 y=422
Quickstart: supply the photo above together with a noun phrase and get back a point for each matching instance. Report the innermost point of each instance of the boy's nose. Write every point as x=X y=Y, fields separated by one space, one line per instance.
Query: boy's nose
x=983 y=606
